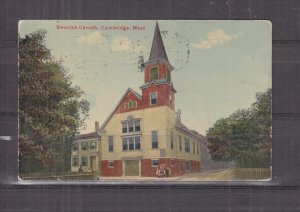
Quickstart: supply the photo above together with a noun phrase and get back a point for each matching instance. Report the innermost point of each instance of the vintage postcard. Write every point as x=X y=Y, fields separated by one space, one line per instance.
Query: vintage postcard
x=147 y=100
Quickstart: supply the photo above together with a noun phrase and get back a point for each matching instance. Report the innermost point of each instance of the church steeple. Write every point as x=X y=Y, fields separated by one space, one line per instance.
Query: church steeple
x=157 y=48
x=158 y=53
x=158 y=89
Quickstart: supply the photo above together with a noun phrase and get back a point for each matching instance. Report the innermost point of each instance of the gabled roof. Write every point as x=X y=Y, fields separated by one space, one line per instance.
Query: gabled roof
x=195 y=134
x=123 y=97
x=87 y=136
x=158 y=52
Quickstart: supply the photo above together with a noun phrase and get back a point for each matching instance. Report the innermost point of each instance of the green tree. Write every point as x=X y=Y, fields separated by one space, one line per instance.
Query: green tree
x=245 y=136
x=51 y=110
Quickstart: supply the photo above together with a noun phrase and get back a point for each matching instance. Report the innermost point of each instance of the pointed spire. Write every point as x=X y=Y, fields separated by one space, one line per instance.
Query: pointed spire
x=158 y=49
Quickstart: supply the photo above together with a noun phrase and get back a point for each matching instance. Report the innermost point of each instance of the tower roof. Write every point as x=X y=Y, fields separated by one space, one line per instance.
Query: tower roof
x=158 y=52
x=158 y=48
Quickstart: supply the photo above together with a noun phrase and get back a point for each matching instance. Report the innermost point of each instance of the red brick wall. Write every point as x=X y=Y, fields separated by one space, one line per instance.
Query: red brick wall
x=149 y=171
x=163 y=92
x=109 y=172
x=146 y=167
x=130 y=96
x=162 y=69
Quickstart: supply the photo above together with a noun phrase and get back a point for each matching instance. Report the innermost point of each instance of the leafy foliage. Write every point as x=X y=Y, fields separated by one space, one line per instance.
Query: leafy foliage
x=244 y=136
x=51 y=110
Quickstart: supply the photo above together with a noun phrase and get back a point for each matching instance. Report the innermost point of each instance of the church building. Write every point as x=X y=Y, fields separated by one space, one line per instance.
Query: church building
x=144 y=132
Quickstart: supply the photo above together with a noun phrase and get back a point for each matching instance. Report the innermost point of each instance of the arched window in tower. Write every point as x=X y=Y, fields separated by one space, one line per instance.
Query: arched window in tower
x=153 y=74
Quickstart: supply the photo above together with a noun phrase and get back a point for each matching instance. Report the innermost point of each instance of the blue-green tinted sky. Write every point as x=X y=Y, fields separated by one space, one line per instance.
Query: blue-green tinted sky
x=219 y=65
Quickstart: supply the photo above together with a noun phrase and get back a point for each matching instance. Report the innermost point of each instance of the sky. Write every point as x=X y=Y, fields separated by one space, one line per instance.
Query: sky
x=219 y=66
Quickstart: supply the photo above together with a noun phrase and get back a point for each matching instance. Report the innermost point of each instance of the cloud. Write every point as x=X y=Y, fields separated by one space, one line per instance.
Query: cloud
x=118 y=44
x=94 y=38
x=215 y=37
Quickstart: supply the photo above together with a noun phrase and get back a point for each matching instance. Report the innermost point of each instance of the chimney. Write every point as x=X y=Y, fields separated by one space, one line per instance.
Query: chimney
x=96 y=126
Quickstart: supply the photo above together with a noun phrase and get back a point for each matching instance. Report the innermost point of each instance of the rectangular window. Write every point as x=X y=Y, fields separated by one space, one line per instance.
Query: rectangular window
x=194 y=147
x=171 y=139
x=124 y=127
x=154 y=163
x=134 y=104
x=131 y=143
x=188 y=165
x=84 y=161
x=110 y=143
x=130 y=104
x=75 y=146
x=187 y=145
x=153 y=74
x=84 y=146
x=153 y=98
x=180 y=144
x=93 y=145
x=137 y=126
x=75 y=161
x=197 y=148
x=133 y=125
x=125 y=144
x=137 y=143
x=154 y=139
x=111 y=164
x=130 y=126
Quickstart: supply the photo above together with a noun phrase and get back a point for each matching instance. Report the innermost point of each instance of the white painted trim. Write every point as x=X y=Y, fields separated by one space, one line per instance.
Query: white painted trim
x=156 y=98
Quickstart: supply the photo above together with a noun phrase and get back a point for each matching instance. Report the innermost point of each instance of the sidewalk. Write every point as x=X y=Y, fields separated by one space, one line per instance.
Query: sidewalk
x=186 y=177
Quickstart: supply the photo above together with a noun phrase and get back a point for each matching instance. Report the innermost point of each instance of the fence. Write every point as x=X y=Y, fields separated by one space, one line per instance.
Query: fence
x=60 y=176
x=252 y=173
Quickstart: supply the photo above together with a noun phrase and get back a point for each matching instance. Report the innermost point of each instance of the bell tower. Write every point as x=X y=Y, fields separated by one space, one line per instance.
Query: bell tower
x=158 y=89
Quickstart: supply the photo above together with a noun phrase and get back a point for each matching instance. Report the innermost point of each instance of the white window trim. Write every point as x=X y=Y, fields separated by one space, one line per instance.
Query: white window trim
x=87 y=146
x=157 y=139
x=78 y=162
x=127 y=126
x=108 y=164
x=87 y=161
x=109 y=143
x=152 y=162
x=96 y=146
x=155 y=96
x=150 y=79
x=180 y=143
x=172 y=139
x=130 y=150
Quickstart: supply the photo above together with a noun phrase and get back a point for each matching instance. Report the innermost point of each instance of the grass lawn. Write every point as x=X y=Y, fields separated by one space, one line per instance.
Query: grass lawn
x=233 y=174
x=227 y=174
